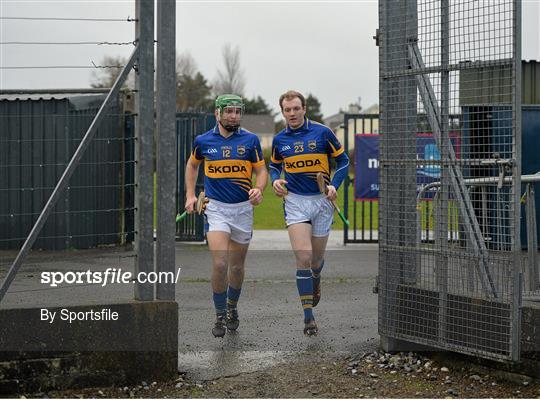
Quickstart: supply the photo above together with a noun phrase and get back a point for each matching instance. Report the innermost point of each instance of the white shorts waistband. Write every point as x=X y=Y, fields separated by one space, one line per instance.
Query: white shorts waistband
x=230 y=205
x=306 y=197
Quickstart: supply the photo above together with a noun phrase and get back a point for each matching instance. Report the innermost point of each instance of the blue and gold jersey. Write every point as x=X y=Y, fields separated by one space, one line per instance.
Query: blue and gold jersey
x=228 y=163
x=304 y=152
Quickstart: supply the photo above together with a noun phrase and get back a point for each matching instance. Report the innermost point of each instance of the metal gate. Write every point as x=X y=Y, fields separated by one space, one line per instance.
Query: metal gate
x=189 y=125
x=460 y=291
x=362 y=213
x=361 y=208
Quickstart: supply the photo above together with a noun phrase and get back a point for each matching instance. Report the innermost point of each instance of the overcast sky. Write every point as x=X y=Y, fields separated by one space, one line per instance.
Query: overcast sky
x=325 y=48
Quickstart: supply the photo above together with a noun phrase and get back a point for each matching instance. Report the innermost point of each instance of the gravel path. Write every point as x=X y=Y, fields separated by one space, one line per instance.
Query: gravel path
x=371 y=375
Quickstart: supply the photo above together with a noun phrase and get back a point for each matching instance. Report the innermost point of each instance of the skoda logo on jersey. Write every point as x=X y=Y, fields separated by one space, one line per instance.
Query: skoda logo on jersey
x=312 y=144
x=211 y=151
x=241 y=150
x=285 y=148
x=302 y=163
x=226 y=169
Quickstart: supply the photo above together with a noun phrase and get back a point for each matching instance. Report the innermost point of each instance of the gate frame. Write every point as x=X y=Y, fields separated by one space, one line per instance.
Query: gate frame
x=451 y=177
x=346 y=118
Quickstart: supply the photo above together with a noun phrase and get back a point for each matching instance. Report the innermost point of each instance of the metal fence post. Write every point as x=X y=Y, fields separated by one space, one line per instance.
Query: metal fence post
x=166 y=144
x=398 y=262
x=441 y=267
x=144 y=133
x=398 y=179
x=532 y=239
x=386 y=310
x=516 y=173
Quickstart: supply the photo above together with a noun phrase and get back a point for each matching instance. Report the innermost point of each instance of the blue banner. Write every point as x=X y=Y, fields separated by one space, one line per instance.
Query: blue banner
x=366 y=146
x=366 y=174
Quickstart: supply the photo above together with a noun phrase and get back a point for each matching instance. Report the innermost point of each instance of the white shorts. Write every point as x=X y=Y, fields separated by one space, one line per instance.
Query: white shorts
x=317 y=210
x=234 y=218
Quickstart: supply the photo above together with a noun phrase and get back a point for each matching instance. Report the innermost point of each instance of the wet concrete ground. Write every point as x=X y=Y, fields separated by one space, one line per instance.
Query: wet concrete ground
x=271 y=315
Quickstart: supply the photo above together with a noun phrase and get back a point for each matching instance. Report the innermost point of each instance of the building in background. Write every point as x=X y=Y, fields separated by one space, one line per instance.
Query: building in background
x=262 y=125
x=335 y=122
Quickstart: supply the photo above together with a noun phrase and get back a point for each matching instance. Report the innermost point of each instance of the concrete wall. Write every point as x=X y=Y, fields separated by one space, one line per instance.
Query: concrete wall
x=530 y=329
x=36 y=355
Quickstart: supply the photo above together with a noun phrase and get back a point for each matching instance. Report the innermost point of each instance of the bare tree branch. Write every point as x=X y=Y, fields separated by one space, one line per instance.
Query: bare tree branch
x=186 y=65
x=231 y=79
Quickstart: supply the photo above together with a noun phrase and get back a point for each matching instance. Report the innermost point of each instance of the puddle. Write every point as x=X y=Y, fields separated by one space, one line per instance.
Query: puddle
x=208 y=365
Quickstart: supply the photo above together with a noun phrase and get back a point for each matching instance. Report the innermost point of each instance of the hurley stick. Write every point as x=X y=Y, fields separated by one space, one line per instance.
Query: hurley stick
x=324 y=190
x=200 y=206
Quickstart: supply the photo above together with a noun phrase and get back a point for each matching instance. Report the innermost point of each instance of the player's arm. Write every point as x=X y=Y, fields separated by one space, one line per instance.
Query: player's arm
x=276 y=167
x=192 y=172
x=261 y=174
x=337 y=151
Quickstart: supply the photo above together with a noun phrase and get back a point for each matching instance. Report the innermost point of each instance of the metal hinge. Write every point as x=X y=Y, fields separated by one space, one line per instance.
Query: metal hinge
x=376 y=287
x=376 y=37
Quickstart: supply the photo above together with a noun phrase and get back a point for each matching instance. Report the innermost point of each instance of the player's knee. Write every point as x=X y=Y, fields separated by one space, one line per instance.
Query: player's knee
x=220 y=266
x=237 y=269
x=316 y=263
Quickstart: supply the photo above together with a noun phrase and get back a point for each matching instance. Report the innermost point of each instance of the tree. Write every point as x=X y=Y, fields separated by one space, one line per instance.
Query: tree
x=185 y=65
x=313 y=108
x=258 y=106
x=105 y=77
x=231 y=79
x=193 y=93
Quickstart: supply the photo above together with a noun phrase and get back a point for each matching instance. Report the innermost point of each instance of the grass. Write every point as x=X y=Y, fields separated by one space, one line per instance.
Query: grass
x=269 y=214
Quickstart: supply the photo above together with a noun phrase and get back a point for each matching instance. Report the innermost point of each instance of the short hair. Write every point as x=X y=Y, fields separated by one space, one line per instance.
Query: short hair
x=291 y=94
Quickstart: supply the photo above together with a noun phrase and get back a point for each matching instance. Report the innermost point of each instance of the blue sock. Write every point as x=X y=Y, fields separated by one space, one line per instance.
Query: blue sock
x=220 y=303
x=304 y=283
x=316 y=273
x=232 y=297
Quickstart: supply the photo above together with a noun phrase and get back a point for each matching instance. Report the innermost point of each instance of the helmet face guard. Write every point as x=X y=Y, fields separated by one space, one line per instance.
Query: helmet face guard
x=229 y=101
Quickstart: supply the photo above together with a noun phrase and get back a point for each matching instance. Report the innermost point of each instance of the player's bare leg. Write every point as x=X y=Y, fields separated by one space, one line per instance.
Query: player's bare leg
x=237 y=258
x=300 y=237
x=218 y=242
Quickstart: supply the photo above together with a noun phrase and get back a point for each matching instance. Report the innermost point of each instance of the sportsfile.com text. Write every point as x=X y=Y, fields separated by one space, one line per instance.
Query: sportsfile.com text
x=109 y=276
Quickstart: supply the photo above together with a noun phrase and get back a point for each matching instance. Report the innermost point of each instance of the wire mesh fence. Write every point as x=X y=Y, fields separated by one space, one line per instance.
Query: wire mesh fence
x=450 y=132
x=39 y=139
x=91 y=226
x=96 y=211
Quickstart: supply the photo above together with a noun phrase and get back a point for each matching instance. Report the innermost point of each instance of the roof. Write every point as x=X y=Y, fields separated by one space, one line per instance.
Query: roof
x=79 y=98
x=259 y=124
